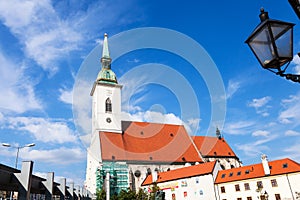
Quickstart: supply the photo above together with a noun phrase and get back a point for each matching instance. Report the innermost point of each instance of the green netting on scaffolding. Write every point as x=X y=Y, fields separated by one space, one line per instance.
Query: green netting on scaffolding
x=119 y=179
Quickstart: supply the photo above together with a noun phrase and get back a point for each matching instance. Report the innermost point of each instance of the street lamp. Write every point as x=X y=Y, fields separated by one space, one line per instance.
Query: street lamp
x=18 y=149
x=296 y=6
x=272 y=44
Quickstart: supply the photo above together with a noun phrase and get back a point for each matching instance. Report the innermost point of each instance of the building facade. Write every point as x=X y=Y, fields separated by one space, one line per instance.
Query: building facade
x=274 y=180
x=193 y=182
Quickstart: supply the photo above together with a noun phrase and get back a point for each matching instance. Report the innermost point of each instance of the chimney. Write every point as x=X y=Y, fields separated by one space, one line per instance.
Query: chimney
x=154 y=176
x=264 y=160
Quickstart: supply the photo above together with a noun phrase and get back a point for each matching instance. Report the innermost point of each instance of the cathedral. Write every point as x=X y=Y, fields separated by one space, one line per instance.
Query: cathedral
x=122 y=153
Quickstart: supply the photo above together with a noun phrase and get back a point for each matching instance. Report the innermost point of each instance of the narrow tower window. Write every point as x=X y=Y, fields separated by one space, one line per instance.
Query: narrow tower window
x=108 y=107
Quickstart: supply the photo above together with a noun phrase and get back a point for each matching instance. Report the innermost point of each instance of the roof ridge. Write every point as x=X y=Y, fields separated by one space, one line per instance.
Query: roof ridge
x=152 y=123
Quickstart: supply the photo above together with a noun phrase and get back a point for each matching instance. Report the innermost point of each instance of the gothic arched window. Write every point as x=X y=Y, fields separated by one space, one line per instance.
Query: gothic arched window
x=108 y=107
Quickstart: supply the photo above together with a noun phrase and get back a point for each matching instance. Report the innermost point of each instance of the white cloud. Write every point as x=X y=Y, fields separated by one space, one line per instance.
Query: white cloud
x=232 y=88
x=291 y=133
x=1 y=117
x=66 y=95
x=296 y=61
x=150 y=116
x=293 y=152
x=192 y=125
x=45 y=36
x=45 y=130
x=57 y=179
x=253 y=149
x=261 y=106
x=82 y=106
x=239 y=127
x=130 y=87
x=50 y=31
x=63 y=155
x=260 y=133
x=291 y=111
x=257 y=103
x=16 y=90
x=134 y=61
x=17 y=19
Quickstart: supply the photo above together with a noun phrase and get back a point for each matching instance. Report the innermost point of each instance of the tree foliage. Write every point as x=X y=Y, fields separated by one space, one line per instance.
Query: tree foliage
x=123 y=195
x=100 y=194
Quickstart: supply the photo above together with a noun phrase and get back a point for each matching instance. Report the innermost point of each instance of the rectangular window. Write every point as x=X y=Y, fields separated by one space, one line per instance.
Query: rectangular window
x=277 y=197
x=274 y=183
x=262 y=197
x=259 y=184
x=239 y=173
x=223 y=189
x=249 y=198
x=230 y=174
x=247 y=186
x=239 y=199
x=237 y=187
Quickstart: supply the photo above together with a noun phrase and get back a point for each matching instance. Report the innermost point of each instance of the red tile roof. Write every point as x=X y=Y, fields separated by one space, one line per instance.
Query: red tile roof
x=277 y=167
x=153 y=142
x=213 y=147
x=149 y=142
x=185 y=172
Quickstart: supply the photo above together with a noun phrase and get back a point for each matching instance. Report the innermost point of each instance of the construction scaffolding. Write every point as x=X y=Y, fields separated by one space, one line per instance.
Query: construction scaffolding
x=119 y=176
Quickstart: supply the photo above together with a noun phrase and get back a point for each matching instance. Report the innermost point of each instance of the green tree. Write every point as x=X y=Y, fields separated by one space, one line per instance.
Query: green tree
x=142 y=195
x=127 y=195
x=154 y=189
x=100 y=194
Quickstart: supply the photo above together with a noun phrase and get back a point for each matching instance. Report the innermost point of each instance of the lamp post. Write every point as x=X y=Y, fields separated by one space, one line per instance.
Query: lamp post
x=272 y=44
x=266 y=195
x=18 y=150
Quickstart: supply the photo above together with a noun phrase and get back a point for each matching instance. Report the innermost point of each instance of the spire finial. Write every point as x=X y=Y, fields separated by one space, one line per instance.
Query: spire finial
x=105 y=60
x=218 y=133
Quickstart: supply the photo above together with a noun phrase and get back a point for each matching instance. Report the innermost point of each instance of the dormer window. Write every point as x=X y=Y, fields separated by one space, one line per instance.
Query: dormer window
x=108 y=107
x=107 y=75
x=285 y=165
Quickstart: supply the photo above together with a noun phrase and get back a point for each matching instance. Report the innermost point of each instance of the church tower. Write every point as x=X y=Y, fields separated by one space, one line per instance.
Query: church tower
x=106 y=114
x=106 y=93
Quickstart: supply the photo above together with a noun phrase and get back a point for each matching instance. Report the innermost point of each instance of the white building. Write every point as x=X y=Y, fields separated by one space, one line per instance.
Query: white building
x=274 y=180
x=194 y=182
x=129 y=151
x=279 y=179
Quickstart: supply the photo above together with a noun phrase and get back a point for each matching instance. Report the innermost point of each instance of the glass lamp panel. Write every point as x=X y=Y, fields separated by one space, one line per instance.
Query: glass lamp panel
x=261 y=45
x=284 y=44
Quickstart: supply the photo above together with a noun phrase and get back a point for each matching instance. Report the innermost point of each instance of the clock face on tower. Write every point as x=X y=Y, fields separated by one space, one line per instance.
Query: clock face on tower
x=108 y=120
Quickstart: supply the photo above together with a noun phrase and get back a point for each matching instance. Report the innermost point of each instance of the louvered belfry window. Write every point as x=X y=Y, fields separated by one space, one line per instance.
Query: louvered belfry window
x=108 y=107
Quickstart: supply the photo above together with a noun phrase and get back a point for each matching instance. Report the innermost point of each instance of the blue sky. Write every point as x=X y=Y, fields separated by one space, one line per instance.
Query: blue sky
x=44 y=43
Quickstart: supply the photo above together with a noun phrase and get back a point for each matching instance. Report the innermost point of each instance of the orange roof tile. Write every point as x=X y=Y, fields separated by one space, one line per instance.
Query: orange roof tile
x=149 y=142
x=277 y=167
x=213 y=147
x=184 y=172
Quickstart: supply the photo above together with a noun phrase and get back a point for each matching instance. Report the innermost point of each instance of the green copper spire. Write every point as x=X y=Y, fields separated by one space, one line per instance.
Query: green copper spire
x=105 y=60
x=106 y=75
